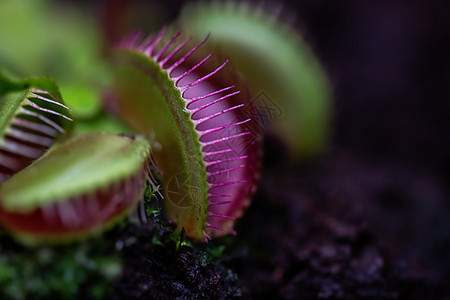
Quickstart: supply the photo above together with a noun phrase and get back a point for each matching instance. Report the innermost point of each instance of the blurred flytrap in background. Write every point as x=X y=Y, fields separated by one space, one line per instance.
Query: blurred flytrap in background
x=276 y=61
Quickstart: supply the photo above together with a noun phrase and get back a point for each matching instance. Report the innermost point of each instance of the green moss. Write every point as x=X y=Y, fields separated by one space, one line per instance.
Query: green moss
x=57 y=272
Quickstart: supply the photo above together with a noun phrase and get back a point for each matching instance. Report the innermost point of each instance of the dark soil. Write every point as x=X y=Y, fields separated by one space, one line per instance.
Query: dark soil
x=344 y=228
x=164 y=269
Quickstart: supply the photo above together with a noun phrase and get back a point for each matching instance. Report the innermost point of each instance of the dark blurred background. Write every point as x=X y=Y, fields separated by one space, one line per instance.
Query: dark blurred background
x=390 y=65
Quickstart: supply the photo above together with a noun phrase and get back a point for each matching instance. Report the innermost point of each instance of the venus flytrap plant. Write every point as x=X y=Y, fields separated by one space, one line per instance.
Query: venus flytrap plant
x=32 y=118
x=203 y=141
x=78 y=188
x=277 y=64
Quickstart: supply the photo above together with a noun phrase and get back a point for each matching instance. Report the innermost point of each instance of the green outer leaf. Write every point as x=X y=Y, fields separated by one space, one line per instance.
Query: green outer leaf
x=76 y=167
x=274 y=60
x=9 y=104
x=12 y=93
x=149 y=100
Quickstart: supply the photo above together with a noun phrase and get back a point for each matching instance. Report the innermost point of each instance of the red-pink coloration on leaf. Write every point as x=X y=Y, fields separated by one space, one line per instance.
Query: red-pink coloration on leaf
x=79 y=215
x=230 y=144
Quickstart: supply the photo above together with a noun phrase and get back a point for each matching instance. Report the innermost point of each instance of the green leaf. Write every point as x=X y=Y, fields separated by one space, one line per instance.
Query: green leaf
x=79 y=187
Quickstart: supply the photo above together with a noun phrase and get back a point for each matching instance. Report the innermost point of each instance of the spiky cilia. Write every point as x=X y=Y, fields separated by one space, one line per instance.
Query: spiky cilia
x=186 y=104
x=32 y=118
